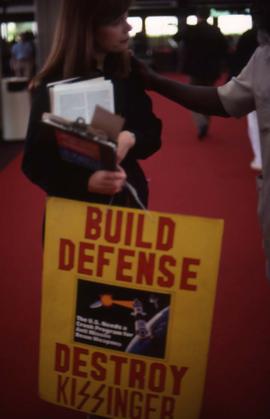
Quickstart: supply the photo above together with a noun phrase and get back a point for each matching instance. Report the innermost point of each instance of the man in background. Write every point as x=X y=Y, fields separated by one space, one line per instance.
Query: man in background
x=22 y=57
x=247 y=92
x=202 y=52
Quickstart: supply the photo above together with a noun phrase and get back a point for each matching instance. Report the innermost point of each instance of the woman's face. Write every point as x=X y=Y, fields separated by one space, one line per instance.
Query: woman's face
x=113 y=37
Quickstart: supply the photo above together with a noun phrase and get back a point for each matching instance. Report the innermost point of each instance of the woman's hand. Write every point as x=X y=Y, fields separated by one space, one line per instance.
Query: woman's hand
x=106 y=182
x=125 y=141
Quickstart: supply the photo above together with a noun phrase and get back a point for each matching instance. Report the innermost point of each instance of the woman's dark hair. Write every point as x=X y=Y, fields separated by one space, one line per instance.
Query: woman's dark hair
x=72 y=50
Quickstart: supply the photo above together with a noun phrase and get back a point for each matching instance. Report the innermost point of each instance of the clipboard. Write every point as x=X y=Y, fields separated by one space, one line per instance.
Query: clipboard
x=82 y=144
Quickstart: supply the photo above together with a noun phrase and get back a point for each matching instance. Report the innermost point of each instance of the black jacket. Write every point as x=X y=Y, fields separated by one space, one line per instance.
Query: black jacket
x=42 y=163
x=204 y=49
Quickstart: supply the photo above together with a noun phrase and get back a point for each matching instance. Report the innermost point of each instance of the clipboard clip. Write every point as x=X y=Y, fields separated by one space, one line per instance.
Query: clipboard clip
x=77 y=127
x=80 y=127
x=80 y=124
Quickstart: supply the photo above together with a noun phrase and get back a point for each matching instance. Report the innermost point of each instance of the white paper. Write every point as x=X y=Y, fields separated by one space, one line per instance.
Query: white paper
x=79 y=99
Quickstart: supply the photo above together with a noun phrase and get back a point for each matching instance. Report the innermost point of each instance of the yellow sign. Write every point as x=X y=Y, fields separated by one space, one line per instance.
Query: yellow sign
x=127 y=308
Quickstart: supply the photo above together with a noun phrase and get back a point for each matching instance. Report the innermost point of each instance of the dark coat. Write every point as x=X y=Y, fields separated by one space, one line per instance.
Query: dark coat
x=245 y=47
x=42 y=163
x=204 y=50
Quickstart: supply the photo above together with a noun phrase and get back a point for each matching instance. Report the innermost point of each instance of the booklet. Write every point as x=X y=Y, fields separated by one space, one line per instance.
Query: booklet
x=73 y=99
x=86 y=128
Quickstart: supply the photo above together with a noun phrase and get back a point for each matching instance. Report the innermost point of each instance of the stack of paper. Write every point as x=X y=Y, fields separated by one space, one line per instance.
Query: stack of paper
x=78 y=99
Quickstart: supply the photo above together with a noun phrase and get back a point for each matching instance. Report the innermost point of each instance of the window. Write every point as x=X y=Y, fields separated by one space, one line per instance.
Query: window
x=161 y=25
x=10 y=30
x=192 y=20
x=136 y=23
x=234 y=24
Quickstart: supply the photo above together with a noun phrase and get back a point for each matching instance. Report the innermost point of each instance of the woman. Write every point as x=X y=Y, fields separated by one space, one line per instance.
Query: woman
x=96 y=45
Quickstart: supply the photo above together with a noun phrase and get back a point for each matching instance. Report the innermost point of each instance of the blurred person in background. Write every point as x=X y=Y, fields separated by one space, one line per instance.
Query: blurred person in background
x=248 y=91
x=22 y=57
x=202 y=52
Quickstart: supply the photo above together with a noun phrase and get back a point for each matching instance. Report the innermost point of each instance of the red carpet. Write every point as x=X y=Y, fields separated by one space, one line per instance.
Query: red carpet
x=210 y=178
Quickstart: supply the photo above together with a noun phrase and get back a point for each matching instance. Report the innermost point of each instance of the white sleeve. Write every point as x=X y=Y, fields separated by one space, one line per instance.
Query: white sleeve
x=237 y=95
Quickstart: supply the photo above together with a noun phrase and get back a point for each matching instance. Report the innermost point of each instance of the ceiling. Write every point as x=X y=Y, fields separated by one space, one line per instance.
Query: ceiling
x=152 y=3
x=23 y=10
x=16 y=11
x=187 y=6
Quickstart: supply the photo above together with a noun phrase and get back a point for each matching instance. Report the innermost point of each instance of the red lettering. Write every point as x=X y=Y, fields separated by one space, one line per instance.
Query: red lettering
x=85 y=258
x=61 y=389
x=124 y=264
x=113 y=236
x=167 y=408
x=139 y=238
x=68 y=392
x=97 y=359
x=66 y=255
x=148 y=405
x=73 y=392
x=165 y=234
x=135 y=408
x=137 y=374
x=120 y=402
x=110 y=400
x=146 y=268
x=119 y=361
x=98 y=398
x=102 y=260
x=93 y=221
x=188 y=274
x=78 y=362
x=178 y=375
x=157 y=377
x=128 y=235
x=84 y=394
x=168 y=279
x=62 y=358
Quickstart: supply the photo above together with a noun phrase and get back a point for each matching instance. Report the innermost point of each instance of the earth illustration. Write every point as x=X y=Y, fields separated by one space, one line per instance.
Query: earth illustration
x=155 y=344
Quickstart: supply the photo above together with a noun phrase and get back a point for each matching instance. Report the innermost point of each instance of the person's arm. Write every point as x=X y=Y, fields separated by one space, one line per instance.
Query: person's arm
x=196 y=98
x=200 y=99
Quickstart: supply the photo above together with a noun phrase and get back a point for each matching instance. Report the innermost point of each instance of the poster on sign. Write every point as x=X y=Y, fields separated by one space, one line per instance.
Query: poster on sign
x=127 y=306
